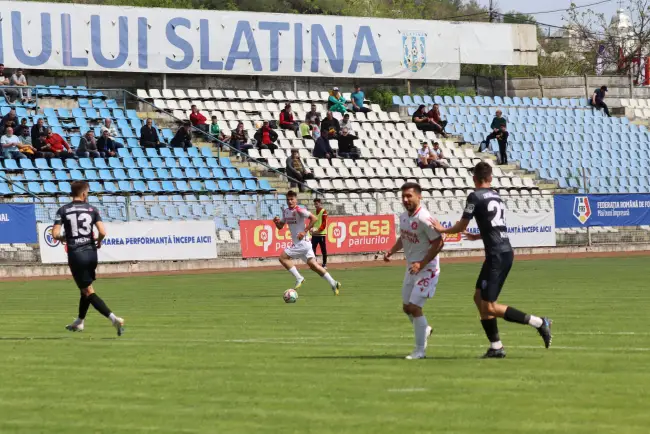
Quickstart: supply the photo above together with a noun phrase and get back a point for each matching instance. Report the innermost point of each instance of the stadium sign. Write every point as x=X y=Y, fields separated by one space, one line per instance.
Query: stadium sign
x=141 y=241
x=363 y=234
x=17 y=223
x=156 y=40
x=577 y=211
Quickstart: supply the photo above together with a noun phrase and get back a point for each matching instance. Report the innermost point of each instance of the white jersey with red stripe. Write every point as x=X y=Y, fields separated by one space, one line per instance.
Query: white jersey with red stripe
x=295 y=218
x=417 y=233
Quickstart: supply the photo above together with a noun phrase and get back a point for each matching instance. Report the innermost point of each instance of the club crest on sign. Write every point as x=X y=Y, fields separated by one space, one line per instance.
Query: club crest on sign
x=414 y=50
x=581 y=209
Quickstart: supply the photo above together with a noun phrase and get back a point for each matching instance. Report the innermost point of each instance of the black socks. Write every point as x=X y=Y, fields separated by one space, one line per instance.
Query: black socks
x=514 y=315
x=84 y=303
x=99 y=305
x=491 y=329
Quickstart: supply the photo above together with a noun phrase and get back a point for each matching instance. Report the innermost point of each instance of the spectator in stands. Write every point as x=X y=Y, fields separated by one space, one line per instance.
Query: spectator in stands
x=336 y=102
x=10 y=143
x=266 y=137
x=434 y=119
x=215 y=131
x=239 y=139
x=597 y=100
x=57 y=145
x=22 y=127
x=26 y=146
x=38 y=133
x=330 y=122
x=323 y=149
x=9 y=120
x=346 y=145
x=313 y=113
x=88 y=146
x=297 y=170
x=105 y=145
x=149 y=136
x=358 y=98
x=315 y=127
x=198 y=120
x=18 y=79
x=286 y=119
x=183 y=137
x=10 y=94
x=499 y=132
x=347 y=123
x=108 y=126
x=440 y=157
x=421 y=120
x=305 y=129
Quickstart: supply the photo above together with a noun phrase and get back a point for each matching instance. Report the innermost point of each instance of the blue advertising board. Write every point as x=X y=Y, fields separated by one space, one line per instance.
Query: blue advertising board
x=583 y=210
x=18 y=223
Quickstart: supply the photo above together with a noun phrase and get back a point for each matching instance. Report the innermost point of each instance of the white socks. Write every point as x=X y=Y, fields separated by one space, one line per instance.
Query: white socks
x=112 y=317
x=496 y=345
x=535 y=321
x=420 y=327
x=294 y=271
x=329 y=279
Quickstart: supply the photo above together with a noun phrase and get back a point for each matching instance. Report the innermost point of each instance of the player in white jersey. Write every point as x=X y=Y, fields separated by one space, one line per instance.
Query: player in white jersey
x=295 y=217
x=421 y=243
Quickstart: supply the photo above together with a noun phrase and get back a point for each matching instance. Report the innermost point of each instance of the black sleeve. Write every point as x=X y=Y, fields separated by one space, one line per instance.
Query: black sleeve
x=470 y=206
x=96 y=216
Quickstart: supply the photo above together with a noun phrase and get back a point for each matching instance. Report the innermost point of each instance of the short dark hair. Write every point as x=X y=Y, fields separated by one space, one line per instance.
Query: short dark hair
x=78 y=187
x=411 y=185
x=193 y=106
x=482 y=171
x=318 y=199
x=292 y=193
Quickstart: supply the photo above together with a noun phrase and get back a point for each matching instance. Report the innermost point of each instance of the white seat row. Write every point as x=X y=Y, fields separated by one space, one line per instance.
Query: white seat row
x=379 y=184
x=218 y=94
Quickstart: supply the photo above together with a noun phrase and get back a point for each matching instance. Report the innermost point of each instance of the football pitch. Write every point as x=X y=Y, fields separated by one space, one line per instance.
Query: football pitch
x=222 y=353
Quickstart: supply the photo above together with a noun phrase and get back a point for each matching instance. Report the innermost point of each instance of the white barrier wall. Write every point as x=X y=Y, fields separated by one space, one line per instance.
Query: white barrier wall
x=141 y=241
x=105 y=38
x=524 y=230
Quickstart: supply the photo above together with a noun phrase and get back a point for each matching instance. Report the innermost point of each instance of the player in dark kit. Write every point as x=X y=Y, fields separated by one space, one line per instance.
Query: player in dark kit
x=78 y=219
x=485 y=205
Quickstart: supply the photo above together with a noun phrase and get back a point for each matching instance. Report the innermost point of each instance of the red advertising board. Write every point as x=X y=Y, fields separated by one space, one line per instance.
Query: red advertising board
x=261 y=239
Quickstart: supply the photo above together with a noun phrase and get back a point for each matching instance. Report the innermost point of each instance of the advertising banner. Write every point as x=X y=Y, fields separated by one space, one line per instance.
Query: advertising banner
x=524 y=230
x=583 y=210
x=141 y=241
x=18 y=223
x=261 y=239
x=156 y=40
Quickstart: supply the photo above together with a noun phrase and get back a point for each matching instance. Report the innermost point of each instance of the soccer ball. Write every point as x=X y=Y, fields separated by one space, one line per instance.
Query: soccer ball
x=290 y=296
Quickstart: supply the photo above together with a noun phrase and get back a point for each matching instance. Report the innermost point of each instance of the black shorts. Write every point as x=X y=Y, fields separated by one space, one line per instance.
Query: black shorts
x=493 y=274
x=83 y=264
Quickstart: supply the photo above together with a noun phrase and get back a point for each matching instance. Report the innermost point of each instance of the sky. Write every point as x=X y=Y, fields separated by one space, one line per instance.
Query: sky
x=526 y=6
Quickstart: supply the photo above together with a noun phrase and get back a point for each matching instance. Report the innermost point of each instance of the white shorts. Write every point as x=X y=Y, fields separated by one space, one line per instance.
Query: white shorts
x=302 y=250
x=418 y=287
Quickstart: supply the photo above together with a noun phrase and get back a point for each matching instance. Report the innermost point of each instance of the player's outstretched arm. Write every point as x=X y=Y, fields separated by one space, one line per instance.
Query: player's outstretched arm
x=472 y=237
x=396 y=248
x=278 y=223
x=460 y=226
x=101 y=233
x=56 y=233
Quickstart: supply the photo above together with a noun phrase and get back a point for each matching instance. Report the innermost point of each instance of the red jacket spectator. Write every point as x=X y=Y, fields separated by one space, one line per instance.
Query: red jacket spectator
x=286 y=119
x=56 y=143
x=197 y=119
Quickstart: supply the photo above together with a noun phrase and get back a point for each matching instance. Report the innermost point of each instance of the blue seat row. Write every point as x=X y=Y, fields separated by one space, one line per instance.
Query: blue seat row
x=97 y=103
x=89 y=113
x=138 y=186
x=137 y=174
x=67 y=91
x=116 y=163
x=417 y=100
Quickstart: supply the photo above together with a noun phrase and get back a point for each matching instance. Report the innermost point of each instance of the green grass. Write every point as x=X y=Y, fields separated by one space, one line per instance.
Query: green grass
x=221 y=353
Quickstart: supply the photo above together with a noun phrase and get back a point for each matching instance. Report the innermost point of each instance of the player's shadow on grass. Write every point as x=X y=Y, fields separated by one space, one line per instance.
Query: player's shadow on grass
x=381 y=357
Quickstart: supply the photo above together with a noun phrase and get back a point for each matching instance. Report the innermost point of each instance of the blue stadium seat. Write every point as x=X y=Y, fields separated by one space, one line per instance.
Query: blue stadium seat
x=165 y=152
x=417 y=99
x=182 y=186
x=218 y=173
x=177 y=173
x=196 y=186
x=125 y=186
x=163 y=173
x=64 y=187
x=30 y=175
x=118 y=114
x=210 y=185
x=115 y=163
x=139 y=186
x=191 y=173
x=264 y=185
x=397 y=100
x=129 y=163
x=168 y=186
x=251 y=185
x=77 y=175
x=134 y=174
x=46 y=175
x=154 y=186
x=72 y=164
x=198 y=162
x=100 y=163
x=96 y=187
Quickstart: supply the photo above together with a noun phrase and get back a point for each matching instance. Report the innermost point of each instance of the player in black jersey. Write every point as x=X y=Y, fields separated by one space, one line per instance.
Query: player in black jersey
x=485 y=205
x=78 y=219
